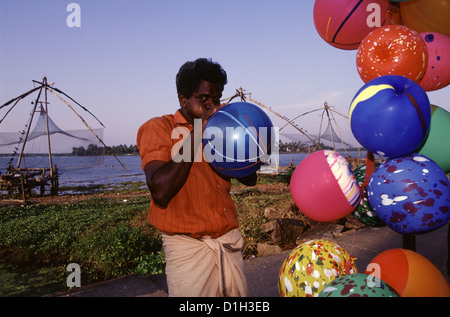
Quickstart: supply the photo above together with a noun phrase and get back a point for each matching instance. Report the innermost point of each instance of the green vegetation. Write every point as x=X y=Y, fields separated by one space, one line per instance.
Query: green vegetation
x=93 y=149
x=298 y=147
x=106 y=234
x=107 y=237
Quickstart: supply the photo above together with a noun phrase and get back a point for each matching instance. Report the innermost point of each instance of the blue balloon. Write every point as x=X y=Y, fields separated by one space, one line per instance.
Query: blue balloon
x=238 y=139
x=390 y=116
x=411 y=194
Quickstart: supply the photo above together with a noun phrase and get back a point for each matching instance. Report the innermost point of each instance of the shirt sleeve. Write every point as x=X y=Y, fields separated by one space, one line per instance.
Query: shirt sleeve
x=154 y=141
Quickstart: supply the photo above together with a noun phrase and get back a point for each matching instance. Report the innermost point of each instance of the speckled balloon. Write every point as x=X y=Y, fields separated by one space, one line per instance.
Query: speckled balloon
x=392 y=50
x=411 y=194
x=311 y=266
x=437 y=75
x=364 y=212
x=358 y=285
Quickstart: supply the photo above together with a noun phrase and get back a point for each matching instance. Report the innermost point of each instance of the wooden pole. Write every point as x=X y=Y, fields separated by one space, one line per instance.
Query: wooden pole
x=448 y=255
x=409 y=242
x=285 y=119
x=48 y=130
x=339 y=132
x=320 y=127
x=22 y=184
x=28 y=128
x=329 y=125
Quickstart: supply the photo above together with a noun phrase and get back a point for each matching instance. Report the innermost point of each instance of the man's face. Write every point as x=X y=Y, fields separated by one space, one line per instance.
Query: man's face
x=204 y=98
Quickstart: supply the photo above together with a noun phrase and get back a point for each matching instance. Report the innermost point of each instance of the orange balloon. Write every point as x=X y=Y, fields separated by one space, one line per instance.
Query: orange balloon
x=393 y=268
x=392 y=50
x=410 y=274
x=426 y=15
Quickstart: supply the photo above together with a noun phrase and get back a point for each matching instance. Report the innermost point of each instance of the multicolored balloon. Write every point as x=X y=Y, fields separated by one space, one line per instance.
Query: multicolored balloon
x=323 y=186
x=312 y=265
x=345 y=23
x=411 y=194
x=392 y=50
x=409 y=273
x=437 y=143
x=358 y=285
x=364 y=212
x=390 y=116
x=437 y=75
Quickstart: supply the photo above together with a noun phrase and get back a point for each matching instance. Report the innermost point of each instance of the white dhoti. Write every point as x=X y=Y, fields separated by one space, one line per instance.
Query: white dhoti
x=205 y=267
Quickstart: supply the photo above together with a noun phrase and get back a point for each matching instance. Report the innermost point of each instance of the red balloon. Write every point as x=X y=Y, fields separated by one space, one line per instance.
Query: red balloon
x=323 y=186
x=345 y=23
x=392 y=50
x=437 y=75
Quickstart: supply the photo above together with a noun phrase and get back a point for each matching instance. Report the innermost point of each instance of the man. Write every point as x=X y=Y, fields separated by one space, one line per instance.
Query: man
x=191 y=204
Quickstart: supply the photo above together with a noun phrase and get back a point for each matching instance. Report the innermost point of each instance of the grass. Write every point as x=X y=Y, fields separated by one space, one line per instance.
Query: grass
x=108 y=237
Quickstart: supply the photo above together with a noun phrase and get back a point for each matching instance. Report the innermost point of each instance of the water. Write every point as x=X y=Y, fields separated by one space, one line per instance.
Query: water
x=111 y=172
x=88 y=172
x=76 y=171
x=285 y=158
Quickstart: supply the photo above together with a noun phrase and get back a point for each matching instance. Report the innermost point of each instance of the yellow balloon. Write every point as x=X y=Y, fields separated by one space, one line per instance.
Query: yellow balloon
x=426 y=15
x=311 y=266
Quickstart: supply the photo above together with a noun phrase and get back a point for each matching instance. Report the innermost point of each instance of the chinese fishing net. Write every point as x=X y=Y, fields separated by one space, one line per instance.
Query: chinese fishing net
x=28 y=138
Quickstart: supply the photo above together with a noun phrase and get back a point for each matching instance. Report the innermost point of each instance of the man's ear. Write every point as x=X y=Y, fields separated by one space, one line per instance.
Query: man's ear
x=183 y=100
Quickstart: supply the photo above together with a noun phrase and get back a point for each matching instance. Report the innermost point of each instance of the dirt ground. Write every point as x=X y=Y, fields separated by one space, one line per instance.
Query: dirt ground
x=69 y=199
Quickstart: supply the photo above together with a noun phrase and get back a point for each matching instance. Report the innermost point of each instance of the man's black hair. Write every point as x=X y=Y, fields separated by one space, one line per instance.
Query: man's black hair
x=191 y=73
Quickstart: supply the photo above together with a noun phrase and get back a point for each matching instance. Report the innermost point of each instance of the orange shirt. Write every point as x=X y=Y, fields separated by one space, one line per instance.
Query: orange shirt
x=203 y=206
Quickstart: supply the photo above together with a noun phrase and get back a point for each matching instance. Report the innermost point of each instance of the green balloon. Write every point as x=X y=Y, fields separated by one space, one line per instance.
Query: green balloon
x=436 y=145
x=357 y=285
x=363 y=212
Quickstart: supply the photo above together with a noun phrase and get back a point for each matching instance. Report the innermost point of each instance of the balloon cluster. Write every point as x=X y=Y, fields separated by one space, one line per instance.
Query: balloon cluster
x=322 y=268
x=403 y=51
x=406 y=38
x=392 y=273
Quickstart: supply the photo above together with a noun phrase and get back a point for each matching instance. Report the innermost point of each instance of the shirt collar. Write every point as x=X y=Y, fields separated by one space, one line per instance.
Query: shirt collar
x=179 y=119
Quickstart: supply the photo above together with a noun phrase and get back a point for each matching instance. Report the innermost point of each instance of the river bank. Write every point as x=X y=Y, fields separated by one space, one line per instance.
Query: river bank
x=96 y=227
x=105 y=232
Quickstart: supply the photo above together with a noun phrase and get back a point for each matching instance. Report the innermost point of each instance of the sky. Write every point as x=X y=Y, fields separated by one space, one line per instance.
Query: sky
x=121 y=61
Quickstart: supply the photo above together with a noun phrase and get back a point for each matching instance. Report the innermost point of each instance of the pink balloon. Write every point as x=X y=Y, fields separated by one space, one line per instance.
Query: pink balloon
x=323 y=186
x=437 y=74
x=345 y=23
